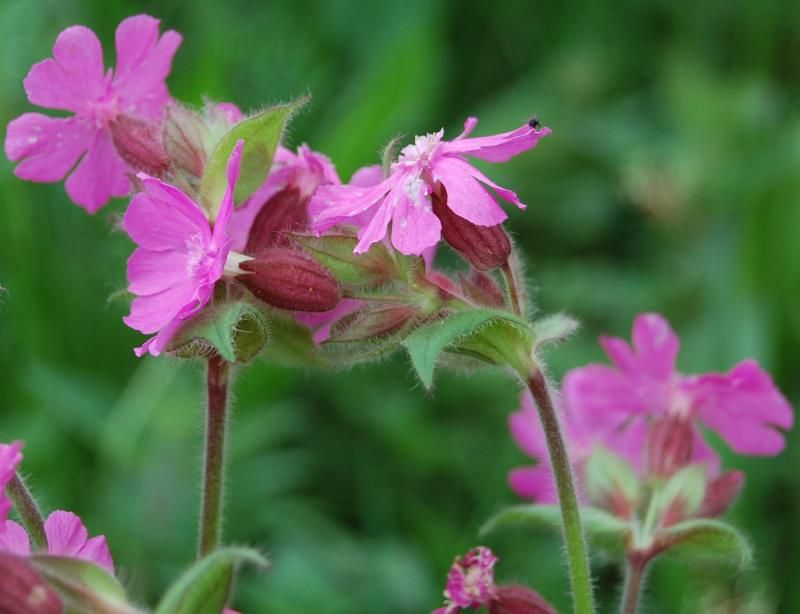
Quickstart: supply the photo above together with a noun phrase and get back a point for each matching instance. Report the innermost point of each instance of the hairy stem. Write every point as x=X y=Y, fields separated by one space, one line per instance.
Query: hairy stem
x=634 y=581
x=577 y=555
x=511 y=285
x=32 y=518
x=214 y=458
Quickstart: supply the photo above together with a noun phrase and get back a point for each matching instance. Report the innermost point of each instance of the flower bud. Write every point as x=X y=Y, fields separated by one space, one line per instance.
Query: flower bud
x=669 y=446
x=484 y=247
x=22 y=589
x=288 y=279
x=517 y=599
x=720 y=493
x=372 y=322
x=138 y=142
x=284 y=212
x=481 y=288
x=186 y=140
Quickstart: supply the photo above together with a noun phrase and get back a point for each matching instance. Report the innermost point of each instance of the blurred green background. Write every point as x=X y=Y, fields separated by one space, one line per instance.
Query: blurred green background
x=671 y=183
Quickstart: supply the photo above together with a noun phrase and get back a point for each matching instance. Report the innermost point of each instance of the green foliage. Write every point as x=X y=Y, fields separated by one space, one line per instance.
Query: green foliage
x=205 y=587
x=709 y=541
x=609 y=476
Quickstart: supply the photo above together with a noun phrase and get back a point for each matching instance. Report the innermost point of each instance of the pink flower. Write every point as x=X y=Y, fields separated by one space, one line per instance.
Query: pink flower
x=179 y=256
x=470 y=582
x=74 y=79
x=10 y=459
x=404 y=197
x=66 y=536
x=280 y=204
x=743 y=405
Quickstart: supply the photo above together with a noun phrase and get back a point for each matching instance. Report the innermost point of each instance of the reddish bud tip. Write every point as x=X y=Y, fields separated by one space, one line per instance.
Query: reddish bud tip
x=138 y=142
x=285 y=211
x=22 y=589
x=670 y=446
x=288 y=279
x=517 y=599
x=484 y=247
x=720 y=494
x=481 y=288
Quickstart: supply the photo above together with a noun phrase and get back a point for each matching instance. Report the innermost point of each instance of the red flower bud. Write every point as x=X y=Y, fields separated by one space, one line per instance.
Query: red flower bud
x=720 y=493
x=372 y=322
x=285 y=211
x=517 y=599
x=288 y=279
x=484 y=247
x=481 y=288
x=22 y=589
x=669 y=446
x=138 y=142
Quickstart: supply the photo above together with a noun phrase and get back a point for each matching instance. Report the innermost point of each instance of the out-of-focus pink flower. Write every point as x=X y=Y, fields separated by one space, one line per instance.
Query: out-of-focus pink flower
x=470 y=582
x=74 y=79
x=404 y=197
x=264 y=215
x=179 y=256
x=66 y=536
x=10 y=459
x=743 y=405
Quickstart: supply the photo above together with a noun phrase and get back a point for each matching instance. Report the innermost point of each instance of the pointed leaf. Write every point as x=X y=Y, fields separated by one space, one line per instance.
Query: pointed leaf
x=336 y=253
x=83 y=586
x=261 y=134
x=238 y=331
x=554 y=329
x=611 y=481
x=205 y=587
x=706 y=540
x=603 y=530
x=493 y=336
x=687 y=486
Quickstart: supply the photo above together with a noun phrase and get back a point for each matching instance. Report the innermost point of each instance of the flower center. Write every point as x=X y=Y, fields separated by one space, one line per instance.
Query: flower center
x=201 y=256
x=105 y=110
x=422 y=152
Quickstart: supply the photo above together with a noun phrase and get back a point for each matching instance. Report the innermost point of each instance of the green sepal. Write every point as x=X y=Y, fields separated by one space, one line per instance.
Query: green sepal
x=609 y=477
x=336 y=253
x=687 y=486
x=705 y=540
x=554 y=329
x=205 y=587
x=83 y=586
x=604 y=531
x=495 y=337
x=237 y=330
x=261 y=134
x=291 y=344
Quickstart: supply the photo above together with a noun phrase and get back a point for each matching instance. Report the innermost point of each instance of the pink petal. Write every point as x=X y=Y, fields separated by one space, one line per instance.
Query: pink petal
x=744 y=407
x=415 y=227
x=153 y=272
x=156 y=345
x=232 y=113
x=321 y=322
x=99 y=176
x=656 y=345
x=14 y=539
x=621 y=354
x=74 y=77
x=704 y=454
x=143 y=62
x=152 y=312
x=597 y=389
x=96 y=550
x=367 y=176
x=163 y=218
x=504 y=193
x=65 y=532
x=527 y=430
x=375 y=230
x=46 y=147
x=498 y=147
x=333 y=204
x=533 y=483
x=466 y=197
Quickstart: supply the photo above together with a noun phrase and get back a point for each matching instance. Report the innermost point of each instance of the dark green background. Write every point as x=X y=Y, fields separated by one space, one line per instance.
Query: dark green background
x=670 y=183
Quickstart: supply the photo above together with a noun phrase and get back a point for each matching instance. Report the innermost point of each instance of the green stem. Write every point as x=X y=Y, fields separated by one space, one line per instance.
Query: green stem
x=577 y=555
x=214 y=458
x=634 y=581
x=29 y=512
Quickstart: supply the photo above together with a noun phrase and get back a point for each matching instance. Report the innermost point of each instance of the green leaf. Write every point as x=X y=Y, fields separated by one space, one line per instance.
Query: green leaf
x=291 y=344
x=610 y=480
x=493 y=336
x=604 y=530
x=238 y=331
x=261 y=134
x=554 y=329
x=205 y=587
x=336 y=253
x=706 y=540
x=83 y=586
x=687 y=485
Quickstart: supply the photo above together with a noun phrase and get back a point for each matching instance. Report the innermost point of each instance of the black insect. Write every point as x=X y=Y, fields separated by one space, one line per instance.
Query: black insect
x=534 y=123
